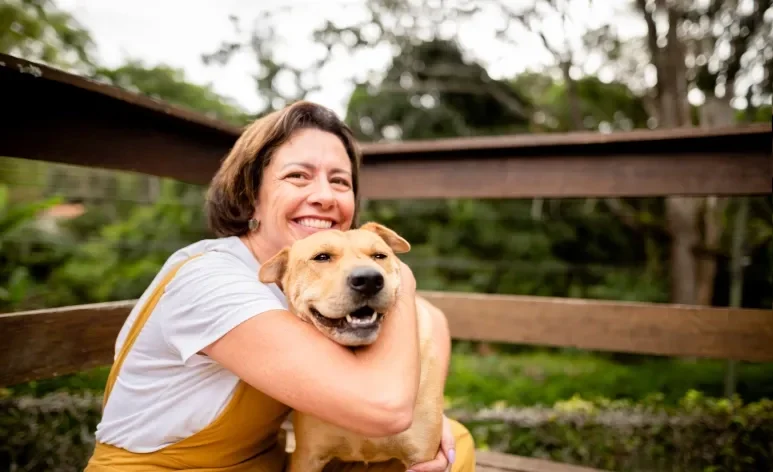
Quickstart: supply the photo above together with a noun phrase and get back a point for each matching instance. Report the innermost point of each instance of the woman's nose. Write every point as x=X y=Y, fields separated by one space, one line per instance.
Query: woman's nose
x=322 y=194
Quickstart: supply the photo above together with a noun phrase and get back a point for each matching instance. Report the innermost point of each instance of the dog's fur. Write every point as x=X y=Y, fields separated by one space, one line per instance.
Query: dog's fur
x=313 y=275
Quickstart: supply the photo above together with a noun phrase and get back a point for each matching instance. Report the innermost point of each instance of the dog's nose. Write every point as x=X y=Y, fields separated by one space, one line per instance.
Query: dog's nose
x=367 y=281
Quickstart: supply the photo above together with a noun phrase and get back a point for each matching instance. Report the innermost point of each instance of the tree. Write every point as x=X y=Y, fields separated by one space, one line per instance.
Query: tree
x=430 y=92
x=701 y=46
x=611 y=106
x=170 y=85
x=38 y=31
x=385 y=28
x=717 y=49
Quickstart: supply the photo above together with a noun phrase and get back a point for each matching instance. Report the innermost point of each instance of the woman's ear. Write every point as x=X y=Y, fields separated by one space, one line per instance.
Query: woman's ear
x=393 y=240
x=274 y=269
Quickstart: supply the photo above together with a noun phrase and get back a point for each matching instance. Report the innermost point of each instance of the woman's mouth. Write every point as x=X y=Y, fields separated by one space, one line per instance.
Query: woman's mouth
x=314 y=223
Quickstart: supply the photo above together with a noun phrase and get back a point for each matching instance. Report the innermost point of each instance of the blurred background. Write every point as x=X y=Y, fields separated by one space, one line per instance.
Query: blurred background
x=420 y=69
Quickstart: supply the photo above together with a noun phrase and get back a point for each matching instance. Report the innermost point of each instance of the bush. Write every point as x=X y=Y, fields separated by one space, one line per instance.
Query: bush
x=55 y=433
x=701 y=434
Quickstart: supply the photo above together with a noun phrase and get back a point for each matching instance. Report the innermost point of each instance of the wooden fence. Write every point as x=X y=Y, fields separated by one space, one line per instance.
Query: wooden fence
x=58 y=117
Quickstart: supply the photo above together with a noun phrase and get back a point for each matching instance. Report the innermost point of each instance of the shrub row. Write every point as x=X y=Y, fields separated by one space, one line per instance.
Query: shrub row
x=700 y=434
x=55 y=433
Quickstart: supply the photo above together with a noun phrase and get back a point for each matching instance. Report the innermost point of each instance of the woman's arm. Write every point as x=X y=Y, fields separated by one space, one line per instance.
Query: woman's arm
x=440 y=333
x=442 y=343
x=371 y=391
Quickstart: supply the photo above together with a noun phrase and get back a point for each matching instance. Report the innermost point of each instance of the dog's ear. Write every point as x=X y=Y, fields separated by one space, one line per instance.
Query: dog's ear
x=394 y=240
x=274 y=269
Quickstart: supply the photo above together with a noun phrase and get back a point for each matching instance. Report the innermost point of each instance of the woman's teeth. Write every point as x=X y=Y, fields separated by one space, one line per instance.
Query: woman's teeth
x=315 y=223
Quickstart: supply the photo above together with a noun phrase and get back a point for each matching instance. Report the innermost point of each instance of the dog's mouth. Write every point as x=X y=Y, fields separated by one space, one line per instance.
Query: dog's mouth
x=361 y=318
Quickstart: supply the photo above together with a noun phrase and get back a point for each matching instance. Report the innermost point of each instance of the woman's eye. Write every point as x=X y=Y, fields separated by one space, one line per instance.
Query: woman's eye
x=322 y=257
x=295 y=175
x=343 y=182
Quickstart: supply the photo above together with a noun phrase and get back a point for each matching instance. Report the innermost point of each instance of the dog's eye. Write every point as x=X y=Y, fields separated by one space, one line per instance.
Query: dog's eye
x=322 y=257
x=379 y=255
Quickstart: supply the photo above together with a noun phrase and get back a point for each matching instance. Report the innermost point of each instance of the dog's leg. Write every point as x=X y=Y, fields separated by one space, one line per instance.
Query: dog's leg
x=301 y=461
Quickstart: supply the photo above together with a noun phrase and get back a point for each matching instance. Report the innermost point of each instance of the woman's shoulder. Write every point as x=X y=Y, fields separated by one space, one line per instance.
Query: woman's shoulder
x=211 y=272
x=215 y=289
x=221 y=253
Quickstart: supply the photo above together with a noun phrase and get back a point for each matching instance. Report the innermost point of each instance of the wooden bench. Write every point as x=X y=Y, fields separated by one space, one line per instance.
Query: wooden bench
x=490 y=461
x=63 y=118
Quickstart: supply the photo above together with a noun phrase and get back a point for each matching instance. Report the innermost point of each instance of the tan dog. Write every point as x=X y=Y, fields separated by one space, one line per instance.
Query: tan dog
x=344 y=283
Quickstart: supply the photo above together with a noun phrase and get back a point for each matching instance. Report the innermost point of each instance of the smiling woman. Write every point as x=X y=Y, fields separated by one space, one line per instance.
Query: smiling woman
x=210 y=361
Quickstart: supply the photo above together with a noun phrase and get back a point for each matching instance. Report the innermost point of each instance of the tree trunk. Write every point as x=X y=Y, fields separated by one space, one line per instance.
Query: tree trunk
x=736 y=279
x=682 y=213
x=682 y=223
x=713 y=210
x=572 y=97
x=714 y=112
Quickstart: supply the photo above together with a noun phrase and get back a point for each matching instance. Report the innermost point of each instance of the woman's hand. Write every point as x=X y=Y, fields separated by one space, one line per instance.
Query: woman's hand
x=445 y=456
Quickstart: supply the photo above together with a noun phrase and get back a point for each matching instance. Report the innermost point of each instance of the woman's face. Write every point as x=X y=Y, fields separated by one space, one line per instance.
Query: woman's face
x=307 y=187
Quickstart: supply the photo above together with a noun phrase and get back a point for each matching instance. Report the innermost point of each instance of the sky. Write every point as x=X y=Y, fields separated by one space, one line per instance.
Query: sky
x=178 y=32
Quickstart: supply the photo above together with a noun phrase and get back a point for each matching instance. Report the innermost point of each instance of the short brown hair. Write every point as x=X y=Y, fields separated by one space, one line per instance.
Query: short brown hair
x=234 y=188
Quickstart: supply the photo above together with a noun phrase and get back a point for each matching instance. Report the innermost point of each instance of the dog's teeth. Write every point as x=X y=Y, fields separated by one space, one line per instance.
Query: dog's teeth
x=361 y=321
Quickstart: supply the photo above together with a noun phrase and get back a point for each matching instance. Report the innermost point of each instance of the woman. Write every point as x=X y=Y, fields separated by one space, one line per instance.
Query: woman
x=210 y=362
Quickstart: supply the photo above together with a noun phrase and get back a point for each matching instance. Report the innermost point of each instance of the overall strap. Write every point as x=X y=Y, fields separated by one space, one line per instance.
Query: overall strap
x=139 y=322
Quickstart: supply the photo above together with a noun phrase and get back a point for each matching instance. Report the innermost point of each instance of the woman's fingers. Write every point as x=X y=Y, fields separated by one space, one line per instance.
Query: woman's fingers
x=438 y=464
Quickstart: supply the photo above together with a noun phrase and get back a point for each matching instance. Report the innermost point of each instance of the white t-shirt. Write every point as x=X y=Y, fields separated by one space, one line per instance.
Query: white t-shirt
x=165 y=391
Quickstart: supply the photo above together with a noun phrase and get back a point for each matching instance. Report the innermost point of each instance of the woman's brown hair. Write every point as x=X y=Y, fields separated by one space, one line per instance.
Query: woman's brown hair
x=234 y=189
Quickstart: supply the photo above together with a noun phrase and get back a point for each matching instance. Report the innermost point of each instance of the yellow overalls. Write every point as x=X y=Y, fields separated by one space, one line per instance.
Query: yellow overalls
x=244 y=437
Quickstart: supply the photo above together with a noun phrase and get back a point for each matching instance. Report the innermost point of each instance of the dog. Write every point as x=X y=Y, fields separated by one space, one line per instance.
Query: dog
x=345 y=283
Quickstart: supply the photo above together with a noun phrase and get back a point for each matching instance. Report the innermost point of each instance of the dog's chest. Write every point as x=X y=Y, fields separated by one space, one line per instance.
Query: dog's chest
x=381 y=449
x=329 y=441
x=349 y=447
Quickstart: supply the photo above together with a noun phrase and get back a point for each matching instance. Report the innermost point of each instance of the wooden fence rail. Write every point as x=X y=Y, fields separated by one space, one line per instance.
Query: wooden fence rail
x=45 y=343
x=63 y=118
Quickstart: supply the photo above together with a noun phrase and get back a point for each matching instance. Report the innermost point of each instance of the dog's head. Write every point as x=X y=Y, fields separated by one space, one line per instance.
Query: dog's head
x=343 y=282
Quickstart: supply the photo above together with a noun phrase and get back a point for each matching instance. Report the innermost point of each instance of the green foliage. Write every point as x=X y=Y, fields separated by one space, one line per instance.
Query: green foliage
x=613 y=104
x=431 y=92
x=53 y=434
x=90 y=381
x=27 y=253
x=127 y=254
x=701 y=434
x=505 y=246
x=544 y=377
x=170 y=85
x=579 y=248
x=38 y=31
x=761 y=114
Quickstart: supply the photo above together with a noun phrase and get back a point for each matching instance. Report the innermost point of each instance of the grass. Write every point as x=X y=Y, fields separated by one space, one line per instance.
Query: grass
x=543 y=378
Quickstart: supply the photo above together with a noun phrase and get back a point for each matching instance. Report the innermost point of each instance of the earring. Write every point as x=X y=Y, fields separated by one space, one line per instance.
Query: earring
x=253 y=224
